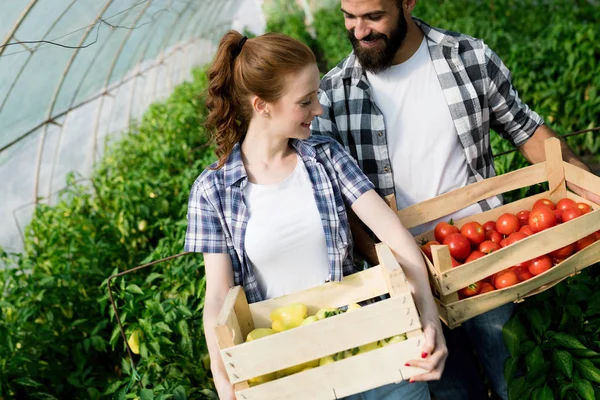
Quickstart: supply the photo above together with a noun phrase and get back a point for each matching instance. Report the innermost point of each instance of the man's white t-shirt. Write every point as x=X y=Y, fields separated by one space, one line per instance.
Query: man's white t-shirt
x=425 y=152
x=285 y=241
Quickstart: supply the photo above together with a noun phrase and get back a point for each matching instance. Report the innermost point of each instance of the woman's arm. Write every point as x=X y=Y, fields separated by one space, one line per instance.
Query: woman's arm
x=373 y=211
x=219 y=279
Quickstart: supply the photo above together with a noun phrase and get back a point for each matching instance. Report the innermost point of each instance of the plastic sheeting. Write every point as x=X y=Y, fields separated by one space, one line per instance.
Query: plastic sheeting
x=107 y=62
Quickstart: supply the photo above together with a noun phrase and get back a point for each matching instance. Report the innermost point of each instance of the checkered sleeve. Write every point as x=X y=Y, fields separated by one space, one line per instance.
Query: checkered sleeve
x=324 y=124
x=204 y=232
x=353 y=182
x=509 y=115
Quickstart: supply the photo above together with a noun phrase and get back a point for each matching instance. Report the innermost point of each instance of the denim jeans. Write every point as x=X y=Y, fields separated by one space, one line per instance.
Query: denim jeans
x=482 y=334
x=395 y=391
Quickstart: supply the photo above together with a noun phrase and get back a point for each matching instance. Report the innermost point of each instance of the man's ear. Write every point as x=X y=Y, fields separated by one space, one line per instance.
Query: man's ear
x=408 y=6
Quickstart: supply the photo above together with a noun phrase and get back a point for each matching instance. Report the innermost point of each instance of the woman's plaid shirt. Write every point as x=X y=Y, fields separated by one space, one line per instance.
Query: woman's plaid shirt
x=218 y=216
x=477 y=87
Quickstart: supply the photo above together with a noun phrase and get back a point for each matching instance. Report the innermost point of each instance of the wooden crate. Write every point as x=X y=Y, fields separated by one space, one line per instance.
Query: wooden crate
x=447 y=280
x=392 y=316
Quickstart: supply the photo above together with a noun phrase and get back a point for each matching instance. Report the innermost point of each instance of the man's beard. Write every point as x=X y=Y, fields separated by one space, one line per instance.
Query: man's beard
x=380 y=58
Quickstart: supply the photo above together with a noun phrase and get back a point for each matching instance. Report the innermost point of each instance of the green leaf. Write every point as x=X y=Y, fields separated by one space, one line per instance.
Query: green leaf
x=563 y=362
x=135 y=289
x=567 y=341
x=587 y=370
x=26 y=381
x=538 y=323
x=514 y=333
x=517 y=388
x=545 y=394
x=510 y=368
x=179 y=393
x=184 y=310
x=152 y=277
x=146 y=394
x=113 y=387
x=534 y=362
x=564 y=389
x=163 y=327
x=584 y=388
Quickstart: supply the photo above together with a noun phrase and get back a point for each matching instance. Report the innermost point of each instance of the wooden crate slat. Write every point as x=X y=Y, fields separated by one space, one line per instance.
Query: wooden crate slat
x=465 y=309
x=533 y=246
x=345 y=377
x=228 y=328
x=458 y=199
x=555 y=170
x=306 y=343
x=391 y=270
x=354 y=288
x=582 y=178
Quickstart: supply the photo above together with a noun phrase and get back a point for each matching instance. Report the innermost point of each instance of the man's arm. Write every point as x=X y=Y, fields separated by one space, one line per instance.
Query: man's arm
x=534 y=151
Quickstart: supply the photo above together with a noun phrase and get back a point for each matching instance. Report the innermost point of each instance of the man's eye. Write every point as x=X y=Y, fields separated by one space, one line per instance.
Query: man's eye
x=305 y=103
x=375 y=18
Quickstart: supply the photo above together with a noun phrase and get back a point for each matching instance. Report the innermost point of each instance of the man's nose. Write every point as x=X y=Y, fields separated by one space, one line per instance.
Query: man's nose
x=361 y=30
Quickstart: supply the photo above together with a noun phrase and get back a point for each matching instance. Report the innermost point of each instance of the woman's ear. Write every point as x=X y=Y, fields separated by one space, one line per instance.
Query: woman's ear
x=260 y=106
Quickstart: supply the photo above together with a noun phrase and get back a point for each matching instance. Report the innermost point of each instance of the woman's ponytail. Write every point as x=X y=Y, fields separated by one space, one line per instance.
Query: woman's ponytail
x=221 y=100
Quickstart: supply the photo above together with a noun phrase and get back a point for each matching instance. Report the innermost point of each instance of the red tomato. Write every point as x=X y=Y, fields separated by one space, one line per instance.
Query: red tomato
x=597 y=235
x=584 y=207
x=494 y=236
x=486 y=287
x=489 y=226
x=522 y=272
x=541 y=218
x=563 y=252
x=505 y=279
x=474 y=232
x=558 y=214
x=455 y=263
x=504 y=242
x=584 y=242
x=571 y=213
x=564 y=204
x=472 y=290
x=474 y=256
x=544 y=202
x=526 y=229
x=507 y=224
x=515 y=237
x=540 y=265
x=459 y=246
x=444 y=229
x=489 y=246
x=523 y=217
x=427 y=248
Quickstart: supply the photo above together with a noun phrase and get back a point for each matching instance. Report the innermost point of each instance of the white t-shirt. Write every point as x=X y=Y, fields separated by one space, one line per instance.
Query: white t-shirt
x=285 y=240
x=425 y=152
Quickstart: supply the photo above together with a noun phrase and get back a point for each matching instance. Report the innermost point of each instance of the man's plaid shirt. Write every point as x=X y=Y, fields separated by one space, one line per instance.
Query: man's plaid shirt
x=477 y=87
x=218 y=216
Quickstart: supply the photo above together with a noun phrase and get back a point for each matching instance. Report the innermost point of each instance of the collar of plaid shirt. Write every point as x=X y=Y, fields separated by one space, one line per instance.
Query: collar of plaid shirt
x=464 y=66
x=329 y=203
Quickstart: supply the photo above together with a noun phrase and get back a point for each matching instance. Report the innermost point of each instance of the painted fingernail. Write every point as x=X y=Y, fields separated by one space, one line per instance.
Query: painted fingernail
x=407 y=365
x=411 y=381
x=424 y=355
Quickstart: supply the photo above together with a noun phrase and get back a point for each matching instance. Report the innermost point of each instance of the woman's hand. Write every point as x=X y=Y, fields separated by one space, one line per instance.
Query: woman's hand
x=224 y=387
x=434 y=353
